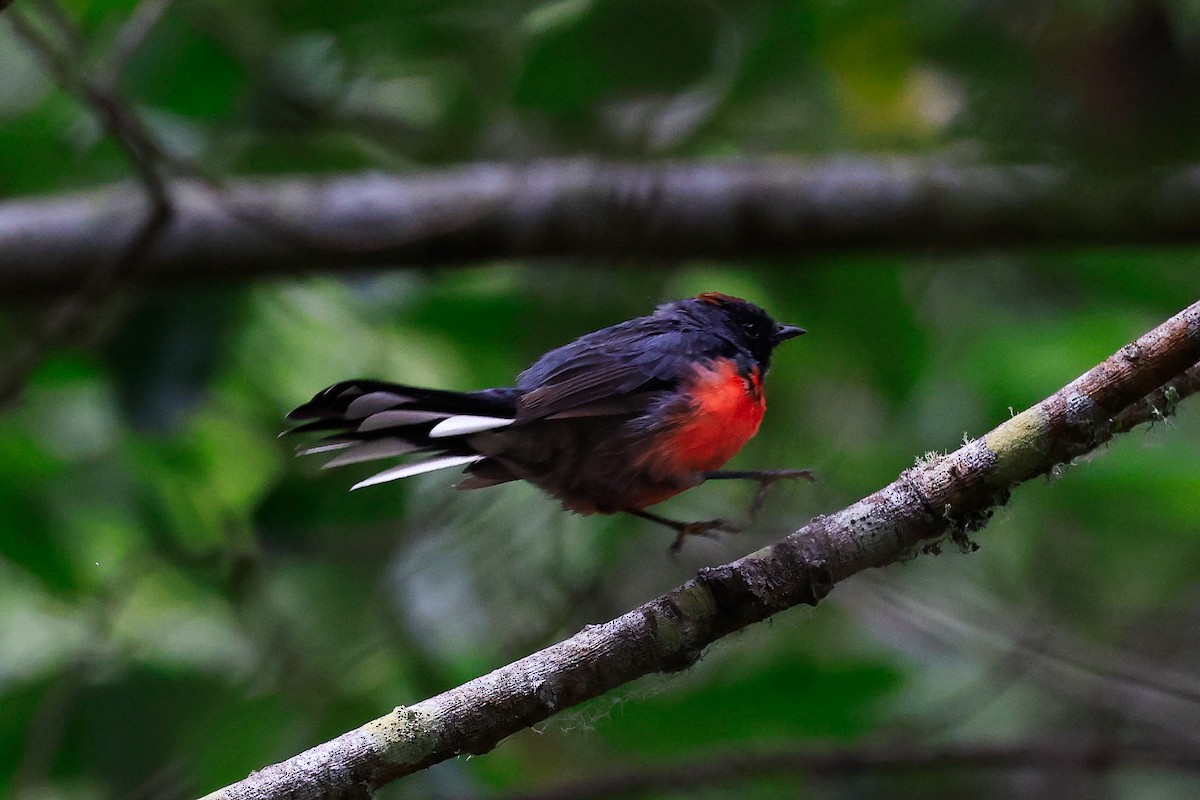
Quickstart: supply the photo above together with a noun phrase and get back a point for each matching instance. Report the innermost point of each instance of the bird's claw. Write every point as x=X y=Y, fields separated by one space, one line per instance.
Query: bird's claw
x=709 y=528
x=768 y=479
x=772 y=476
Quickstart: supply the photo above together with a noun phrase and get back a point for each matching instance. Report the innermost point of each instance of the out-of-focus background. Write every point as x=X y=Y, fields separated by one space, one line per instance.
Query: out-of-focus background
x=181 y=601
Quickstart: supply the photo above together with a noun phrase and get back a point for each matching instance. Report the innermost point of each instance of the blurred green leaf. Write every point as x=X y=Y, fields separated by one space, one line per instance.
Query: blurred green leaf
x=779 y=701
x=168 y=622
x=187 y=72
x=40 y=634
x=616 y=47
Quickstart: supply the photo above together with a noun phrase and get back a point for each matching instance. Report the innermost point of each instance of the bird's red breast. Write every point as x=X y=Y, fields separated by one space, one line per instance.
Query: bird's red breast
x=721 y=410
x=727 y=409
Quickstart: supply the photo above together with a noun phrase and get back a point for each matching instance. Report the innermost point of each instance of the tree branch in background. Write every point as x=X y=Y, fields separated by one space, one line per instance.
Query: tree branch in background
x=119 y=121
x=780 y=208
x=100 y=280
x=946 y=496
x=723 y=769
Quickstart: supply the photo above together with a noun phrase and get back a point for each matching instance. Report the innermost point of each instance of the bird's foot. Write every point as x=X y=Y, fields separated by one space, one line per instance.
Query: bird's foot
x=769 y=478
x=712 y=528
x=765 y=478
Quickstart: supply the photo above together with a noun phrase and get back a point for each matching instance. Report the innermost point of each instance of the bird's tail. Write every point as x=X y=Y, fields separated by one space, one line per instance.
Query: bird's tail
x=366 y=420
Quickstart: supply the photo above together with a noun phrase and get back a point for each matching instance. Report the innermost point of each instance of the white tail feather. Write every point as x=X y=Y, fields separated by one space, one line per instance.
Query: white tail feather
x=398 y=417
x=324 y=448
x=373 y=403
x=396 y=473
x=369 y=451
x=467 y=423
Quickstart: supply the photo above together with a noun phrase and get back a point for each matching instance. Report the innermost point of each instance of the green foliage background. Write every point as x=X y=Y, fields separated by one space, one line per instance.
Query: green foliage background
x=181 y=602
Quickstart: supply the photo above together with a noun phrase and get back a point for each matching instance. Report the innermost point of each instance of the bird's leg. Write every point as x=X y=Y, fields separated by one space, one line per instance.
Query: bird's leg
x=765 y=478
x=686 y=529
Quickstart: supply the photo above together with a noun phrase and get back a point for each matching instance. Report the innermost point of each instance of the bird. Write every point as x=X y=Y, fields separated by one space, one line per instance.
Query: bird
x=618 y=420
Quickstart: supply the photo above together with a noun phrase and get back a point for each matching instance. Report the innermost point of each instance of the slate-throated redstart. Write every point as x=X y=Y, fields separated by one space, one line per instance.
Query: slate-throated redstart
x=617 y=420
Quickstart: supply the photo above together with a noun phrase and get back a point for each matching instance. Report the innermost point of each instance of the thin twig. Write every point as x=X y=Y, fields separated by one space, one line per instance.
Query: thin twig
x=129 y=40
x=103 y=280
x=46 y=728
x=723 y=768
x=142 y=150
x=1124 y=682
x=62 y=22
x=72 y=314
x=119 y=121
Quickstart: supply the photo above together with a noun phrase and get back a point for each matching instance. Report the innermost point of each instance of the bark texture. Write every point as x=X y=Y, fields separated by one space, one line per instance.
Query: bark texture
x=947 y=496
x=788 y=209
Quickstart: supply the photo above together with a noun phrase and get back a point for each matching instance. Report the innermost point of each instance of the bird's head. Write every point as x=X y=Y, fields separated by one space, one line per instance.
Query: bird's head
x=744 y=324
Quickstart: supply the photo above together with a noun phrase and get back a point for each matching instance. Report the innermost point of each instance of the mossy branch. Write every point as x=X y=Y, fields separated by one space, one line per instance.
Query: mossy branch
x=946 y=496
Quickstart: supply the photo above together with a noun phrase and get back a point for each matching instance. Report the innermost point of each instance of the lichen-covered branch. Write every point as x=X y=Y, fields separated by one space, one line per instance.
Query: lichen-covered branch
x=586 y=209
x=950 y=495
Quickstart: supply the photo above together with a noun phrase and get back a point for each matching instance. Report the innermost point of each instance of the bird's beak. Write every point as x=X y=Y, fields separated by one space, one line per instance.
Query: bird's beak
x=785 y=332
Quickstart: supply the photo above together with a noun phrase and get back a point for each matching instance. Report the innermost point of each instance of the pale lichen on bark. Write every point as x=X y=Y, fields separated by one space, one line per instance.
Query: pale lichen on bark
x=1019 y=444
